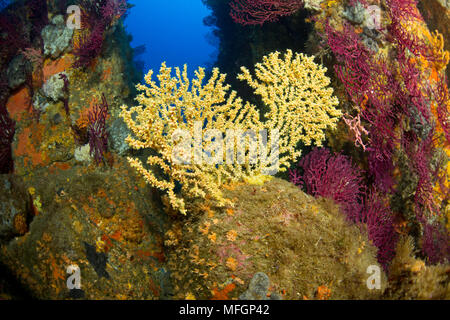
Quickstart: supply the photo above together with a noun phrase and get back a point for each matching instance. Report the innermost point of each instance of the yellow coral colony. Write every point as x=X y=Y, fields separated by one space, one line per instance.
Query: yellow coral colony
x=174 y=105
x=300 y=101
x=301 y=107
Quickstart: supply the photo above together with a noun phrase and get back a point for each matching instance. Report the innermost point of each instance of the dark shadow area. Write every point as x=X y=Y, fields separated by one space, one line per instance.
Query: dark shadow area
x=10 y=287
x=246 y=45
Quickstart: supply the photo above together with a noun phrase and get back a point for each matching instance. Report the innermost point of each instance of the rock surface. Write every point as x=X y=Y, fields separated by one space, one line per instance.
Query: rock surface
x=56 y=37
x=17 y=71
x=302 y=244
x=94 y=219
x=14 y=209
x=53 y=87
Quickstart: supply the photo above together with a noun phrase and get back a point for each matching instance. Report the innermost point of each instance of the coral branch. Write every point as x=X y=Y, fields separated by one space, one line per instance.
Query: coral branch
x=332 y=176
x=301 y=106
x=98 y=137
x=257 y=12
x=97 y=17
x=380 y=227
x=90 y=46
x=356 y=69
x=436 y=243
x=355 y=125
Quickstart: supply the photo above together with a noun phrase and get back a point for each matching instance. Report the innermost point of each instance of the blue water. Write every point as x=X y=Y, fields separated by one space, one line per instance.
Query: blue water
x=4 y=4
x=172 y=31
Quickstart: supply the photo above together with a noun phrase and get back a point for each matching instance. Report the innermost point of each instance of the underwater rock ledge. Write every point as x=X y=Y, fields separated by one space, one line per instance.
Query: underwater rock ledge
x=304 y=245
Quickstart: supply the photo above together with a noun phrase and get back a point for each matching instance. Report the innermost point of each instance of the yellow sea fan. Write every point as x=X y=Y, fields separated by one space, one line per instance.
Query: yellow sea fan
x=178 y=105
x=301 y=107
x=301 y=102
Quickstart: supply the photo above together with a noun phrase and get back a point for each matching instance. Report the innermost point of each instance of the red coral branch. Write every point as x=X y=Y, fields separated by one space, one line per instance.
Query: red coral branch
x=98 y=136
x=356 y=69
x=257 y=12
x=332 y=176
x=436 y=243
x=380 y=227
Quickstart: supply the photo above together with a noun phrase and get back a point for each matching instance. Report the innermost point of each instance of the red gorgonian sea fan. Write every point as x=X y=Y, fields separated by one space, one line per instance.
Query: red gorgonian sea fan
x=331 y=176
x=89 y=48
x=98 y=136
x=356 y=60
x=97 y=16
x=334 y=176
x=420 y=153
x=257 y=12
x=443 y=107
x=403 y=9
x=436 y=243
x=378 y=218
x=114 y=9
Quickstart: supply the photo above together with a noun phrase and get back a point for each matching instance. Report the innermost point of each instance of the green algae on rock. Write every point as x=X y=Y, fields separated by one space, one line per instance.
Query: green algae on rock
x=99 y=207
x=300 y=242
